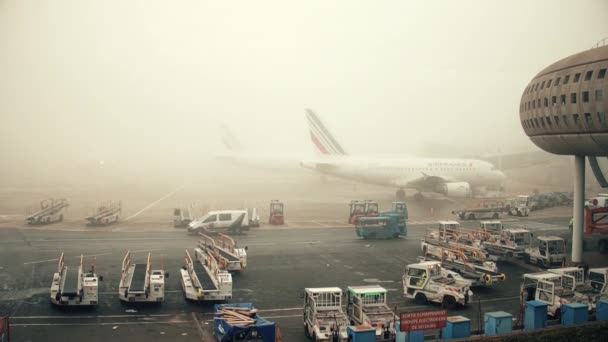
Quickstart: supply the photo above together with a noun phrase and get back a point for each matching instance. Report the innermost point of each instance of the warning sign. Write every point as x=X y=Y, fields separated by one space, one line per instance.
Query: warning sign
x=422 y=320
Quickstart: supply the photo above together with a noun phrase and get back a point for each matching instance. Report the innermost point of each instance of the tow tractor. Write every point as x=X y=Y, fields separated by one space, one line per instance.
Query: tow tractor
x=276 y=217
x=225 y=249
x=182 y=217
x=493 y=227
x=511 y=243
x=366 y=305
x=596 y=227
x=487 y=210
x=203 y=280
x=73 y=286
x=551 y=288
x=475 y=268
x=140 y=283
x=519 y=206
x=105 y=214
x=548 y=252
x=378 y=227
x=51 y=211
x=427 y=282
x=324 y=319
x=398 y=212
x=362 y=208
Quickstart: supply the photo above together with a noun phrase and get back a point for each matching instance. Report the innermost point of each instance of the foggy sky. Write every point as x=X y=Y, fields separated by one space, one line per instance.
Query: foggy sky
x=147 y=82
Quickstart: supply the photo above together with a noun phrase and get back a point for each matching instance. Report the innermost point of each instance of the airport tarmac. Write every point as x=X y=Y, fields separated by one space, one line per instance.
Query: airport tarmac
x=281 y=262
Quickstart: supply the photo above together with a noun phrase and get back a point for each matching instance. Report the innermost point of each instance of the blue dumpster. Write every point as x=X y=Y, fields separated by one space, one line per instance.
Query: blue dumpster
x=399 y=335
x=361 y=333
x=456 y=327
x=498 y=322
x=415 y=336
x=574 y=313
x=535 y=315
x=601 y=310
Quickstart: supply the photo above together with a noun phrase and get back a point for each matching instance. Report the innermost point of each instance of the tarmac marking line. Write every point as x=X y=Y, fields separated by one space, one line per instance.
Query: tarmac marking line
x=92 y=316
x=148 y=250
x=100 y=323
x=154 y=203
x=39 y=261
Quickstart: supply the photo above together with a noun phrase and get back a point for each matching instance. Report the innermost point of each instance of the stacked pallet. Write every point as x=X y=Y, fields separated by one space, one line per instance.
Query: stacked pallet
x=236 y=316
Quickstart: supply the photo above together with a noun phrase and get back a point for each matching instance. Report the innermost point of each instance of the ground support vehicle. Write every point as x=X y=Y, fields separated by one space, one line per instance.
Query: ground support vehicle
x=324 y=319
x=225 y=249
x=450 y=235
x=51 y=211
x=240 y=322
x=480 y=272
x=591 y=286
x=74 y=286
x=488 y=209
x=493 y=227
x=548 y=252
x=226 y=221
x=140 y=283
x=182 y=217
x=277 y=213
x=596 y=227
x=203 y=280
x=553 y=289
x=366 y=305
x=519 y=206
x=511 y=243
x=105 y=214
x=427 y=282
x=378 y=227
x=362 y=208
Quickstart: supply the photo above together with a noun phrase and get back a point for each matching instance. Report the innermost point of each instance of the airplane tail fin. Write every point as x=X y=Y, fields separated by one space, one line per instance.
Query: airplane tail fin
x=229 y=140
x=321 y=138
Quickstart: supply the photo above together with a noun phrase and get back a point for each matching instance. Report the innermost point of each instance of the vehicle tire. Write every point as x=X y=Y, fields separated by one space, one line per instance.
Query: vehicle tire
x=527 y=258
x=306 y=333
x=519 y=213
x=603 y=246
x=395 y=235
x=449 y=302
x=418 y=197
x=509 y=254
x=420 y=299
x=314 y=338
x=495 y=216
x=540 y=263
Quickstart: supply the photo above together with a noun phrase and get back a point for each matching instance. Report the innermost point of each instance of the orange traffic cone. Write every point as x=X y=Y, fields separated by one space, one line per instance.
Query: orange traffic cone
x=278 y=337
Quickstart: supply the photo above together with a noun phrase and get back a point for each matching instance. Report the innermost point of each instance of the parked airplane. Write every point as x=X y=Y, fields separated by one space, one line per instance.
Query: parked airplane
x=450 y=177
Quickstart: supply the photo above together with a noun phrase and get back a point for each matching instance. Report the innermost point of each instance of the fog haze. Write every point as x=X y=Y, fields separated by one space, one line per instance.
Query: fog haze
x=146 y=83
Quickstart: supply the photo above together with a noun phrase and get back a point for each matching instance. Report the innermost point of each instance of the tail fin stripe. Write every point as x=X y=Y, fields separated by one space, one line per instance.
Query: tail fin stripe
x=325 y=133
x=321 y=136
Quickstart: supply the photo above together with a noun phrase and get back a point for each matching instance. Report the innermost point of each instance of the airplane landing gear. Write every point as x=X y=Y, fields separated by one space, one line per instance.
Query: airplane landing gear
x=418 y=197
x=400 y=194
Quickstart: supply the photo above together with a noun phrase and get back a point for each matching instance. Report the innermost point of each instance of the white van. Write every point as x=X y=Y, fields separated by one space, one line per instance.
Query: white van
x=232 y=221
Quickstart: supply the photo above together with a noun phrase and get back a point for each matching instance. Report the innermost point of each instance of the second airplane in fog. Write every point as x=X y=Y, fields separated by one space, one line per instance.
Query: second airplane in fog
x=450 y=177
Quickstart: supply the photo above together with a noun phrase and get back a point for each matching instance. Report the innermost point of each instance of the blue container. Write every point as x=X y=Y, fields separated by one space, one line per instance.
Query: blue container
x=456 y=327
x=574 y=313
x=498 y=322
x=535 y=315
x=601 y=310
x=399 y=335
x=361 y=333
x=415 y=336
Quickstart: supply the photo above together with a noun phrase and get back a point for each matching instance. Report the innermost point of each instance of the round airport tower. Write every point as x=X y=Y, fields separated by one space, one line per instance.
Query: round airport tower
x=563 y=111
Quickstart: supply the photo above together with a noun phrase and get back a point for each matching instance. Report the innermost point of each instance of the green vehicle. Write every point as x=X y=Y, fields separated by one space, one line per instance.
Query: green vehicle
x=378 y=227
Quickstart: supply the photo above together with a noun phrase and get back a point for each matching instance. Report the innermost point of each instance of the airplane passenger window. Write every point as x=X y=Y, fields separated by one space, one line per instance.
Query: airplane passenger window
x=601 y=74
x=588 y=75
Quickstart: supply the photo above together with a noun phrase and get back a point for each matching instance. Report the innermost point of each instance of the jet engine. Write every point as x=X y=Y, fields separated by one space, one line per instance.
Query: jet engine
x=456 y=189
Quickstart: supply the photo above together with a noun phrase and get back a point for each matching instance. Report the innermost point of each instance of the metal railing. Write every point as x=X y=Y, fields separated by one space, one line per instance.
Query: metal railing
x=600 y=43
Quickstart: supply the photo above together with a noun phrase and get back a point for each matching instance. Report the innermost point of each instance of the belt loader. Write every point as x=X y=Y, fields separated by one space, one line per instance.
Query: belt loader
x=105 y=214
x=51 y=211
x=225 y=249
x=203 y=279
x=74 y=286
x=139 y=283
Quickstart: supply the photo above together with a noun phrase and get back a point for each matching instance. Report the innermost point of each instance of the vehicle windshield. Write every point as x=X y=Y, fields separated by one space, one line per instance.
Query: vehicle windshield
x=556 y=246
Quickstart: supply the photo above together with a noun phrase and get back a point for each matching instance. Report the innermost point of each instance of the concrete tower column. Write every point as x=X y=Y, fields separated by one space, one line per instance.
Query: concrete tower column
x=579 y=204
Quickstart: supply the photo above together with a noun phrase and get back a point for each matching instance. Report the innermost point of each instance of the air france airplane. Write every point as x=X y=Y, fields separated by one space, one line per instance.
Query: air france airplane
x=450 y=177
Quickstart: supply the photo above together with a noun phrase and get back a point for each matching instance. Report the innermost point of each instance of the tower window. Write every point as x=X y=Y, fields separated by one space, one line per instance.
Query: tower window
x=547 y=102
x=601 y=118
x=557 y=81
x=542 y=85
x=549 y=83
x=548 y=118
x=565 y=119
x=556 y=119
x=566 y=79
x=542 y=122
x=601 y=74
x=585 y=96
x=553 y=100
x=576 y=119
x=588 y=75
x=599 y=95
x=577 y=77
x=573 y=98
x=588 y=119
x=563 y=99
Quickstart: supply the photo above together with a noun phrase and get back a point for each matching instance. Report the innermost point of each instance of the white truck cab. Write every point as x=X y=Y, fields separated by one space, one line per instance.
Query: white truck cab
x=493 y=227
x=550 y=251
x=428 y=282
x=324 y=319
x=552 y=288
